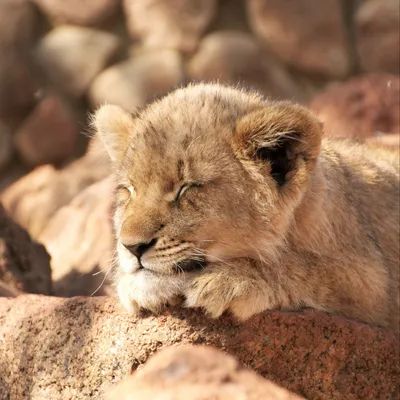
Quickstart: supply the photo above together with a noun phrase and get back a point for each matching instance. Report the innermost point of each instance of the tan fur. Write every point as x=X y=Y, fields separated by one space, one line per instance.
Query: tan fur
x=282 y=217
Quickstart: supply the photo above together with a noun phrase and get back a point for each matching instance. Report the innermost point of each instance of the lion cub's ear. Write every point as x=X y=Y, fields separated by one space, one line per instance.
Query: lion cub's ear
x=113 y=125
x=284 y=135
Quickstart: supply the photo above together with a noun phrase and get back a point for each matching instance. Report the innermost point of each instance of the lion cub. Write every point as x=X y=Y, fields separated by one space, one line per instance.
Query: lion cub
x=238 y=203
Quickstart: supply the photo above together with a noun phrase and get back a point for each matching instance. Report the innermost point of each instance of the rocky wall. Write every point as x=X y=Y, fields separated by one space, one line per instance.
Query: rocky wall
x=62 y=59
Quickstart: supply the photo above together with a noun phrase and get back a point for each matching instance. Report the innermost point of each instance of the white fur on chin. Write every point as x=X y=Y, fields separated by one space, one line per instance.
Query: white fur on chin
x=145 y=289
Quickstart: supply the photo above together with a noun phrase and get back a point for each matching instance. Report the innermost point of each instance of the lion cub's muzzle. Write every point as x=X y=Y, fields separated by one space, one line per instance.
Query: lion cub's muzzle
x=138 y=250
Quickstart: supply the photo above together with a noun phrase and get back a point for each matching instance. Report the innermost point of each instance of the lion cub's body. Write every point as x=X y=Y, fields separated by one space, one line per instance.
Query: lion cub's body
x=239 y=204
x=346 y=236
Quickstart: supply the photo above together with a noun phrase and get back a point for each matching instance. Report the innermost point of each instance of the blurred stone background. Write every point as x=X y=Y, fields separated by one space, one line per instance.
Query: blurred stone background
x=61 y=59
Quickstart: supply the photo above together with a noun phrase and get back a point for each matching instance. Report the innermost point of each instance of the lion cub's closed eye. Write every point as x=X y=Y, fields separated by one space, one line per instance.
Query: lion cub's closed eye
x=241 y=204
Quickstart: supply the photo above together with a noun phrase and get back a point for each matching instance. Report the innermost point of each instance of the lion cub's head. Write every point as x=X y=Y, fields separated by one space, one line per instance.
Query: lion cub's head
x=205 y=174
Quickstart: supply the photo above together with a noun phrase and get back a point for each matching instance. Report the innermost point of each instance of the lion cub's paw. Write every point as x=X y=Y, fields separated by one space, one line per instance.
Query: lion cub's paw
x=124 y=294
x=215 y=292
x=143 y=291
x=133 y=298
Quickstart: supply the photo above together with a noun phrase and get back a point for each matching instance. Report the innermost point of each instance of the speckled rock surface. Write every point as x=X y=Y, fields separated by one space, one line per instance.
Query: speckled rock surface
x=24 y=264
x=196 y=373
x=77 y=348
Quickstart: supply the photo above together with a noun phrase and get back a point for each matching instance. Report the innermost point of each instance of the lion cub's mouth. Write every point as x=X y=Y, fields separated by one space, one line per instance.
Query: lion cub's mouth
x=190 y=265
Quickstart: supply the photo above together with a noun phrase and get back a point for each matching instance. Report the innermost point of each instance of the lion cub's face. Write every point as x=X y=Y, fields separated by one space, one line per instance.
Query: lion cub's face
x=206 y=174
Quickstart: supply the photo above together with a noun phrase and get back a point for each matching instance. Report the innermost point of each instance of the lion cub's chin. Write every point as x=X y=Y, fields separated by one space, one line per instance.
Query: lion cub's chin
x=147 y=290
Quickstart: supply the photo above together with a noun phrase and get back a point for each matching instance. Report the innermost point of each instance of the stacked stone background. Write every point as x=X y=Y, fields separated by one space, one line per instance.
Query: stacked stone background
x=60 y=59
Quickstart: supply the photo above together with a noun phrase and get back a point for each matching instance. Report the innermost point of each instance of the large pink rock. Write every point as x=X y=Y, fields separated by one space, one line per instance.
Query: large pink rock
x=78 y=348
x=196 y=373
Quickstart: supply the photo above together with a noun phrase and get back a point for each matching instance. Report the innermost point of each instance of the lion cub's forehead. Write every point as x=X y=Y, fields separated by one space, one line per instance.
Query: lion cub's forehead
x=186 y=135
x=173 y=157
x=198 y=109
x=174 y=152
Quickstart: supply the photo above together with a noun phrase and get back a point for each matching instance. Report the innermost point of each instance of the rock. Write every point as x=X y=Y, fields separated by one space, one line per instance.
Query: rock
x=14 y=171
x=24 y=264
x=196 y=373
x=78 y=12
x=377 y=35
x=6 y=147
x=34 y=199
x=6 y=291
x=49 y=134
x=72 y=56
x=133 y=83
x=231 y=15
x=18 y=24
x=77 y=348
x=177 y=25
x=364 y=106
x=80 y=240
x=310 y=38
x=235 y=57
x=18 y=76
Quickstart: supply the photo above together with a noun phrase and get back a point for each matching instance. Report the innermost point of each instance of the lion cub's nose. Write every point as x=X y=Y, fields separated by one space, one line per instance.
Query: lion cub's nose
x=140 y=248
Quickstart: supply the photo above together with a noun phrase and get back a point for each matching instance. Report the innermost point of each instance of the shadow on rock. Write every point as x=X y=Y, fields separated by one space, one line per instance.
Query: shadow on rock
x=81 y=346
x=97 y=282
